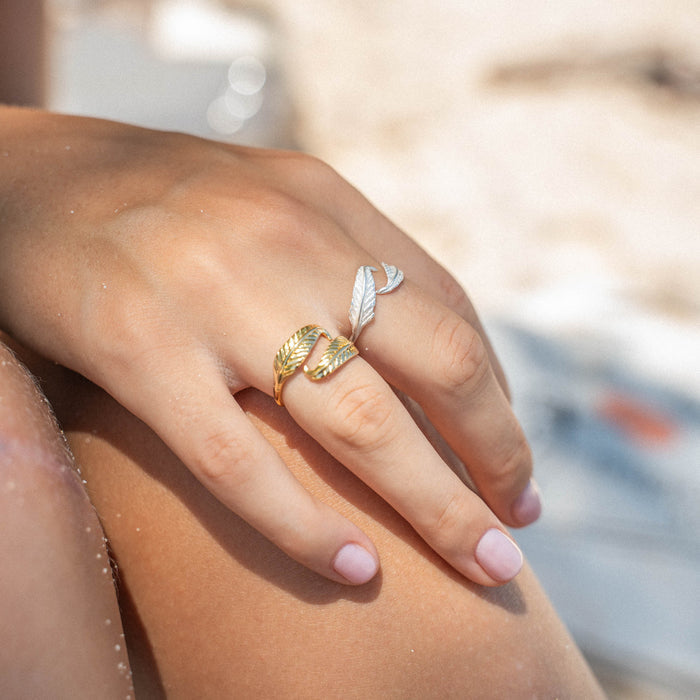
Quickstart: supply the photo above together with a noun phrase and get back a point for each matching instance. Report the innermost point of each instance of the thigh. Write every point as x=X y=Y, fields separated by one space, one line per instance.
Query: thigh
x=212 y=610
x=59 y=619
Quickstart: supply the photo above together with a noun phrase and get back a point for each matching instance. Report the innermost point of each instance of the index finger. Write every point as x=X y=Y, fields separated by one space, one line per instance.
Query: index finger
x=188 y=404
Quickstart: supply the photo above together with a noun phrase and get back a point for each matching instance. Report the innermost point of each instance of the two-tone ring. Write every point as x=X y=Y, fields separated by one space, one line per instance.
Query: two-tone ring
x=293 y=354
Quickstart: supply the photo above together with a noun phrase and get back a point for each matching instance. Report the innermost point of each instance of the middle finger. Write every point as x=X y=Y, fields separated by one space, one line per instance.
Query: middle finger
x=432 y=354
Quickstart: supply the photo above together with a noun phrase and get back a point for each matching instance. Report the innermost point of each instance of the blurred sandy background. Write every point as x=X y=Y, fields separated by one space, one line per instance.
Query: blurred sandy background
x=548 y=153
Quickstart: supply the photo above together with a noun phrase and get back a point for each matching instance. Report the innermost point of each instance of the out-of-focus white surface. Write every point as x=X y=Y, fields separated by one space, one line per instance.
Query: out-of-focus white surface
x=617 y=453
x=549 y=155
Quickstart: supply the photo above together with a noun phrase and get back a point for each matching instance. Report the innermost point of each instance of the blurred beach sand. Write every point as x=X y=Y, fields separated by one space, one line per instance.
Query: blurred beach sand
x=526 y=144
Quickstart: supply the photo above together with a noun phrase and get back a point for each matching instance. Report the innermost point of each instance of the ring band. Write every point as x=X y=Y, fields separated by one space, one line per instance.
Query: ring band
x=297 y=348
x=340 y=350
x=364 y=295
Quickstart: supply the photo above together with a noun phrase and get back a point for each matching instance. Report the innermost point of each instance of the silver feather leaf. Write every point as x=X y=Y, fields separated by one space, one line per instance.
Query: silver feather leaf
x=394 y=277
x=364 y=298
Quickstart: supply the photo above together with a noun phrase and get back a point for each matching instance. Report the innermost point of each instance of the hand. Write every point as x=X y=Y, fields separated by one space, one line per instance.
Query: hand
x=169 y=270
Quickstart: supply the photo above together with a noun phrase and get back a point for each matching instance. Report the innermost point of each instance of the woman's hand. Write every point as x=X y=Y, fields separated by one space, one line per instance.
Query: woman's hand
x=170 y=270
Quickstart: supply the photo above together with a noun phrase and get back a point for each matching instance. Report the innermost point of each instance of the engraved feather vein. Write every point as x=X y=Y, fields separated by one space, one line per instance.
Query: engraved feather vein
x=337 y=353
x=296 y=350
x=394 y=277
x=364 y=299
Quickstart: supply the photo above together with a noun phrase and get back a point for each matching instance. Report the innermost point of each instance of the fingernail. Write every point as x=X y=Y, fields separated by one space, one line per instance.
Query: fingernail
x=355 y=564
x=528 y=505
x=498 y=555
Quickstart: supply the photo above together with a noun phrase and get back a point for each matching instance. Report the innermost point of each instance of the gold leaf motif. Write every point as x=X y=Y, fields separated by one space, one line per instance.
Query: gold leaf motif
x=292 y=354
x=338 y=352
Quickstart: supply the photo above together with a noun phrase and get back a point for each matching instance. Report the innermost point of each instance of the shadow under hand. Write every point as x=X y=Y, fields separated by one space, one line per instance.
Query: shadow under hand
x=167 y=531
x=84 y=409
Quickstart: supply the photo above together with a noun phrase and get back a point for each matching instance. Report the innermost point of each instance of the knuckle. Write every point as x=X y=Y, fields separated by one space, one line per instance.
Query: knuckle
x=459 y=353
x=313 y=177
x=294 y=539
x=445 y=530
x=288 y=222
x=122 y=338
x=283 y=207
x=360 y=415
x=515 y=468
x=194 y=265
x=453 y=296
x=316 y=171
x=221 y=460
x=196 y=258
x=109 y=330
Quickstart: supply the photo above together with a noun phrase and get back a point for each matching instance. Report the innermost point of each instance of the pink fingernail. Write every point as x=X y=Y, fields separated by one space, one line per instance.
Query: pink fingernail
x=528 y=505
x=498 y=555
x=355 y=564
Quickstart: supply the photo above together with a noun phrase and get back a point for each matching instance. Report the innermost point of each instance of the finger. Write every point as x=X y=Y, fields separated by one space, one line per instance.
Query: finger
x=447 y=454
x=320 y=184
x=396 y=247
x=356 y=416
x=430 y=353
x=201 y=422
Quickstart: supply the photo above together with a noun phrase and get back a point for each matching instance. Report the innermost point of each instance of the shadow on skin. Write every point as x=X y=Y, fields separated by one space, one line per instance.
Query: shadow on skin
x=182 y=555
x=92 y=412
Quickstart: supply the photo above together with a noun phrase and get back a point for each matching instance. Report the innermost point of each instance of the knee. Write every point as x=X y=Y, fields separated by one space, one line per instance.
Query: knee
x=37 y=478
x=46 y=518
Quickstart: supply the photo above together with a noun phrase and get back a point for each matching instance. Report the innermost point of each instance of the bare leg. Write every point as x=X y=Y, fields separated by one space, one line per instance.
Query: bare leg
x=213 y=610
x=59 y=621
